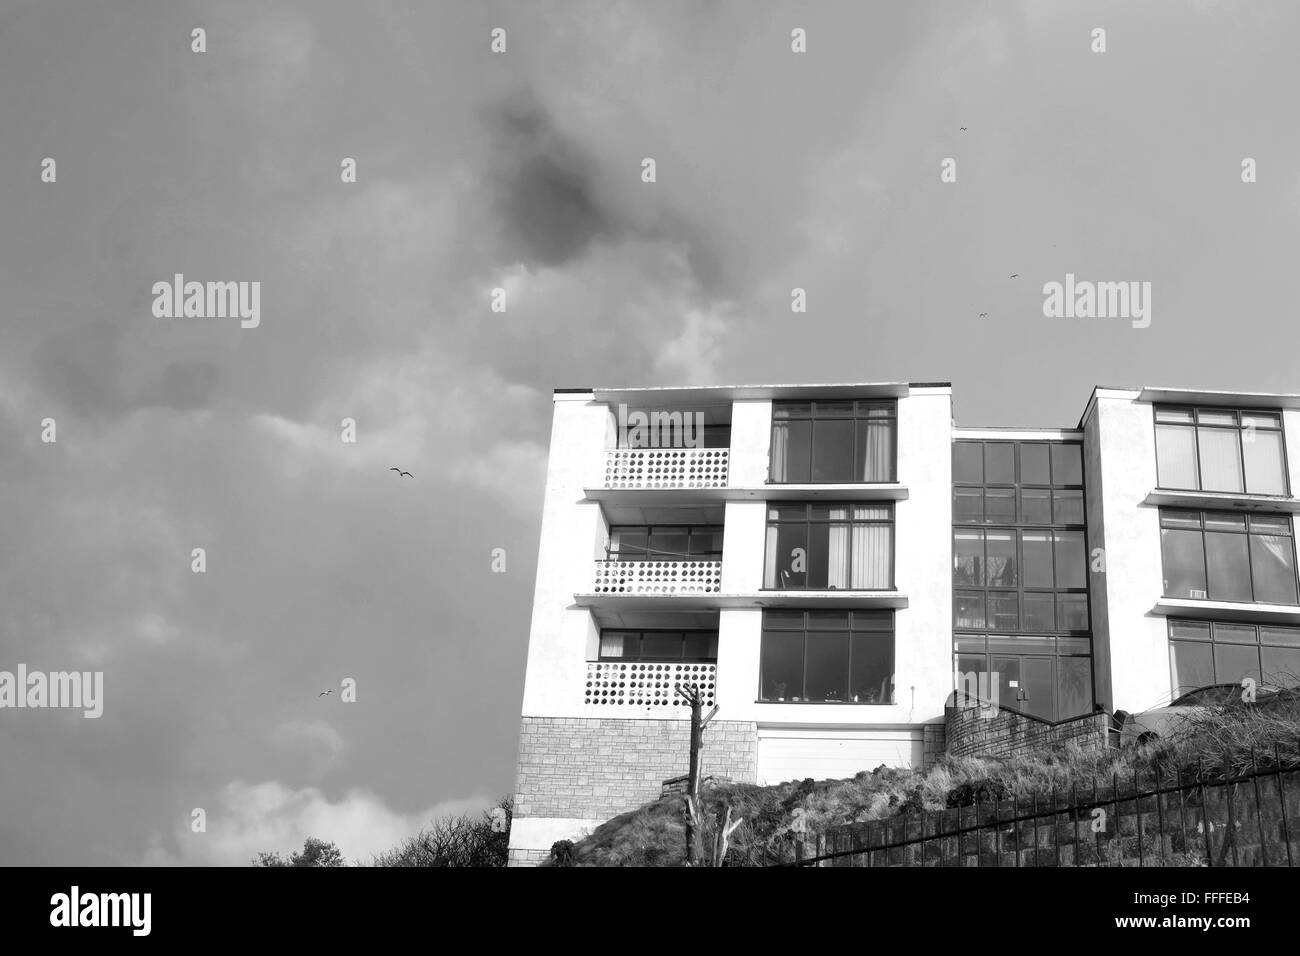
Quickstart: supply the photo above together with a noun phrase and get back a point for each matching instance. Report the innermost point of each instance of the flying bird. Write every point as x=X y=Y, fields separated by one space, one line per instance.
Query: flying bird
x=963 y=129
x=984 y=315
x=401 y=473
x=1016 y=276
x=324 y=692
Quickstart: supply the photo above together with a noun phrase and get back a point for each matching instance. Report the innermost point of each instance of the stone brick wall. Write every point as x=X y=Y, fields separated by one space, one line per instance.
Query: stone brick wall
x=599 y=767
x=1007 y=734
x=521 y=857
x=933 y=743
x=1211 y=823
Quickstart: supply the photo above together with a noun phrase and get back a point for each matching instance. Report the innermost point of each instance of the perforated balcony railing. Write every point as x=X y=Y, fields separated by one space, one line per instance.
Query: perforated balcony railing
x=615 y=684
x=658 y=577
x=666 y=468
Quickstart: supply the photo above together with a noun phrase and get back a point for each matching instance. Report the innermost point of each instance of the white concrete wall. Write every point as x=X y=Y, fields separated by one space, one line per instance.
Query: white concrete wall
x=560 y=637
x=563 y=638
x=923 y=571
x=1291 y=439
x=751 y=436
x=1134 y=641
x=1137 y=646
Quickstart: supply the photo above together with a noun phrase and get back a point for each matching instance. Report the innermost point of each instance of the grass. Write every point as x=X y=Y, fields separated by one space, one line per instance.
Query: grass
x=655 y=834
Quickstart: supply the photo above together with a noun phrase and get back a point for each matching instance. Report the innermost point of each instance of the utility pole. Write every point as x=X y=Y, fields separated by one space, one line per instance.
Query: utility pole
x=694 y=822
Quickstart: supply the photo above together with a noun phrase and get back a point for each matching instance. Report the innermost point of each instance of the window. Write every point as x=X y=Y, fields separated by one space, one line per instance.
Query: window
x=1232 y=450
x=1020 y=575
x=1048 y=677
x=827 y=656
x=665 y=543
x=1221 y=556
x=830 y=547
x=1203 y=653
x=842 y=442
x=1030 y=579
x=654 y=645
x=1003 y=482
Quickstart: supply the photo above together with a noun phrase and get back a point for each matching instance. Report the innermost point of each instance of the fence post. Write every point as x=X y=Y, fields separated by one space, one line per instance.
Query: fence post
x=1015 y=829
x=1137 y=805
x=1035 y=829
x=1114 y=802
x=1160 y=820
x=1074 y=805
x=1056 y=834
x=1232 y=817
x=997 y=829
x=1259 y=809
x=1281 y=797
x=1205 y=820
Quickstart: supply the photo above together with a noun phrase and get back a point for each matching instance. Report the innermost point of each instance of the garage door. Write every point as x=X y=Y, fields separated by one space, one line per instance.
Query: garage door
x=822 y=754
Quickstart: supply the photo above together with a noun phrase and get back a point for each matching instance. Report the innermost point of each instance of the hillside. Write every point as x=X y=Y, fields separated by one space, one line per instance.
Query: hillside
x=655 y=834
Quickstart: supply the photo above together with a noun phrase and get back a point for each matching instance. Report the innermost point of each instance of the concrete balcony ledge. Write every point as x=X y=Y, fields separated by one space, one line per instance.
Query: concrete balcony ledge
x=1222 y=501
x=658 y=577
x=685 y=494
x=1228 y=611
x=665 y=468
x=806 y=599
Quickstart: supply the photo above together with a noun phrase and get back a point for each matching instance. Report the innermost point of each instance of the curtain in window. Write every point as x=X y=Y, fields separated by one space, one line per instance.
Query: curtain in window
x=1264 y=472
x=780 y=446
x=1220 y=459
x=837 y=551
x=1176 y=456
x=879 y=454
x=769 y=575
x=872 y=554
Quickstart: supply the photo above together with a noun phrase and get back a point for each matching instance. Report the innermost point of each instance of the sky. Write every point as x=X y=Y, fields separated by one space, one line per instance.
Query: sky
x=522 y=170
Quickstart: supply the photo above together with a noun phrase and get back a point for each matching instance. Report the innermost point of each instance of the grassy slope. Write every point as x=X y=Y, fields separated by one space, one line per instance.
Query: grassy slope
x=654 y=834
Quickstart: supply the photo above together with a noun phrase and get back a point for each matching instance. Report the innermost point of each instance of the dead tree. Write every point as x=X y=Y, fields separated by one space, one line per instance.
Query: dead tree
x=694 y=819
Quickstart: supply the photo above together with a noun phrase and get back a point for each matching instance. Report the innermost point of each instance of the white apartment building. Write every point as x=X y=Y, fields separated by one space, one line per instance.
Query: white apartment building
x=821 y=559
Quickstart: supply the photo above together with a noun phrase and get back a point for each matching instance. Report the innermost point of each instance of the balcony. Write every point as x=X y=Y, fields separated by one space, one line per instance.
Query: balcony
x=666 y=468
x=658 y=577
x=638 y=684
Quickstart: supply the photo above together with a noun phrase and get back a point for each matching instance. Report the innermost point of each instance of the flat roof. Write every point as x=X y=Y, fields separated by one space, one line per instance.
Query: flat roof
x=685 y=394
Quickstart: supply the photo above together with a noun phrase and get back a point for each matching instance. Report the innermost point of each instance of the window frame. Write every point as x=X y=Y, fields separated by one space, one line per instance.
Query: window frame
x=641 y=632
x=1021 y=588
x=808 y=522
x=859 y=406
x=1177 y=690
x=689 y=529
x=1061 y=650
x=1248 y=518
x=811 y=624
x=1237 y=428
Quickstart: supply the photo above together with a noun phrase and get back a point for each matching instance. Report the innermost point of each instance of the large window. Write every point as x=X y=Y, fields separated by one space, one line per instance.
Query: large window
x=827 y=656
x=1020 y=575
x=657 y=645
x=1026 y=579
x=1221 y=556
x=1220 y=449
x=1201 y=653
x=839 y=442
x=1005 y=482
x=1048 y=677
x=665 y=542
x=830 y=547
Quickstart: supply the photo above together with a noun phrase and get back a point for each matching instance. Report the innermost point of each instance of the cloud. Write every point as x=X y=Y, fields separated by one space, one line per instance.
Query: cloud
x=249 y=818
x=316 y=735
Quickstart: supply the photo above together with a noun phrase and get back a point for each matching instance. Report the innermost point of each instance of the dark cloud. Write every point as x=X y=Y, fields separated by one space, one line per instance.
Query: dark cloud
x=543 y=187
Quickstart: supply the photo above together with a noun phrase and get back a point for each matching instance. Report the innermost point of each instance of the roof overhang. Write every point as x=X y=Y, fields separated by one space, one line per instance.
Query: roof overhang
x=704 y=394
x=1187 y=396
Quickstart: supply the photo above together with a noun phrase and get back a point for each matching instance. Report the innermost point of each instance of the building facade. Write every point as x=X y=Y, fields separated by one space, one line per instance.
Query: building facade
x=828 y=563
